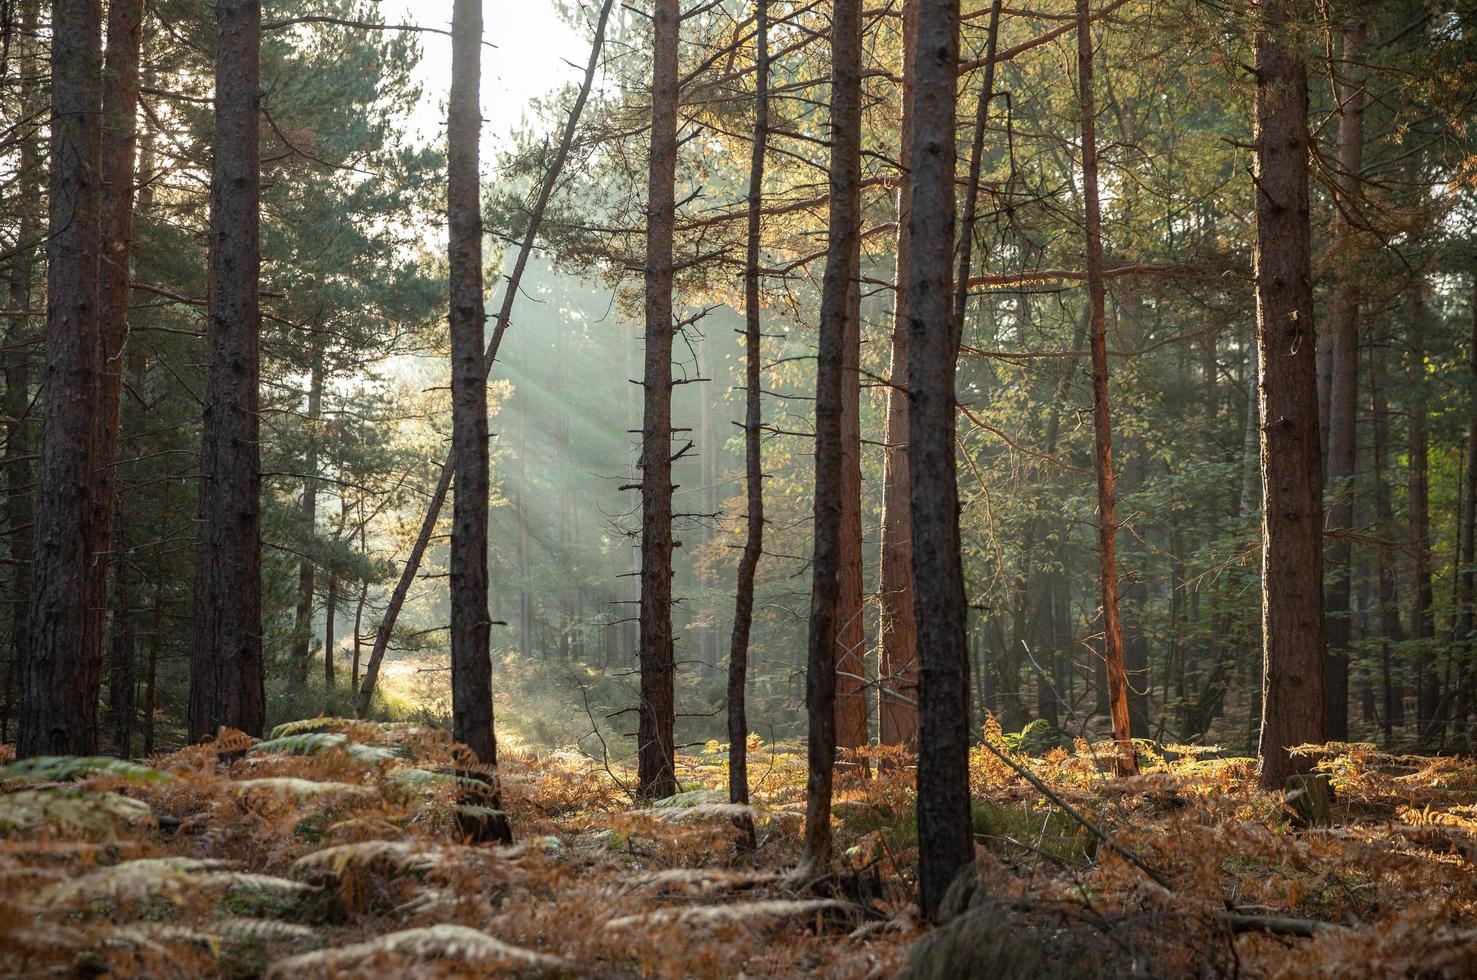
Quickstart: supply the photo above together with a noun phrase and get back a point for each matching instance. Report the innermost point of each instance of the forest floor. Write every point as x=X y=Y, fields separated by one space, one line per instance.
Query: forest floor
x=333 y=849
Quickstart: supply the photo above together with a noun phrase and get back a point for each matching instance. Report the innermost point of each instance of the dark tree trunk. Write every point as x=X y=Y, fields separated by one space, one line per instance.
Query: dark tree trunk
x=845 y=249
x=19 y=512
x=471 y=666
x=1126 y=763
x=945 y=843
x=226 y=675
x=897 y=631
x=1292 y=481
x=1343 y=393
x=62 y=673
x=656 y=777
x=302 y=634
x=743 y=607
x=836 y=286
x=120 y=139
x=330 y=607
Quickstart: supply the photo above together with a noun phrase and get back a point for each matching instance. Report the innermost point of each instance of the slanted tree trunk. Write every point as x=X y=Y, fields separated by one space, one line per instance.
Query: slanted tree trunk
x=1126 y=763
x=61 y=673
x=743 y=606
x=846 y=177
x=1292 y=481
x=945 y=843
x=302 y=633
x=19 y=334
x=226 y=678
x=505 y=311
x=897 y=665
x=471 y=666
x=656 y=777
x=825 y=606
x=1343 y=388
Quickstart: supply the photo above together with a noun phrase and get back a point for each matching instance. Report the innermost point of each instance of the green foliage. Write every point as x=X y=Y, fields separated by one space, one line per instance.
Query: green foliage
x=315 y=743
x=54 y=768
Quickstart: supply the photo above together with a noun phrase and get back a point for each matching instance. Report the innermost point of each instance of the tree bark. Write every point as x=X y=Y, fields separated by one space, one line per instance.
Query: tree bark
x=226 y=674
x=1343 y=389
x=656 y=777
x=846 y=177
x=1293 y=647
x=19 y=506
x=471 y=666
x=62 y=672
x=1126 y=763
x=119 y=143
x=743 y=607
x=897 y=665
x=945 y=843
x=825 y=606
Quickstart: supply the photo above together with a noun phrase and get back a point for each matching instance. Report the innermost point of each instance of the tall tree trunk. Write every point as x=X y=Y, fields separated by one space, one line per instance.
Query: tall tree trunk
x=120 y=138
x=226 y=674
x=302 y=633
x=471 y=668
x=330 y=607
x=19 y=511
x=656 y=777
x=743 y=606
x=1126 y=763
x=897 y=665
x=945 y=843
x=62 y=673
x=846 y=177
x=1422 y=619
x=1343 y=397
x=1292 y=481
x=505 y=311
x=841 y=271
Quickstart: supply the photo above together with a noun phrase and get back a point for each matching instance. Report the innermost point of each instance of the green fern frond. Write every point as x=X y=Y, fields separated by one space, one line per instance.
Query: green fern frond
x=70 y=810
x=439 y=942
x=396 y=856
x=305 y=726
x=316 y=743
x=244 y=929
x=285 y=786
x=55 y=768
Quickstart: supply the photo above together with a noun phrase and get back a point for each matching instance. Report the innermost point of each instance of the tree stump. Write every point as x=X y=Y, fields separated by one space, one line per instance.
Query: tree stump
x=1310 y=797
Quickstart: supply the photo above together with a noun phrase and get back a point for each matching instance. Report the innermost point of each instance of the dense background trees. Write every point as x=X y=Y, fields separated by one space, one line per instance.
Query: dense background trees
x=1242 y=234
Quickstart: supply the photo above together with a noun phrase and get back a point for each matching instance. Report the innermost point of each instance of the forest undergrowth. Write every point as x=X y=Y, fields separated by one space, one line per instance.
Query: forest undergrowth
x=334 y=849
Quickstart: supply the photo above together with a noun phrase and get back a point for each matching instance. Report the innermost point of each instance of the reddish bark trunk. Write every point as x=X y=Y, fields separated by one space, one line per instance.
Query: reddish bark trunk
x=1292 y=481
